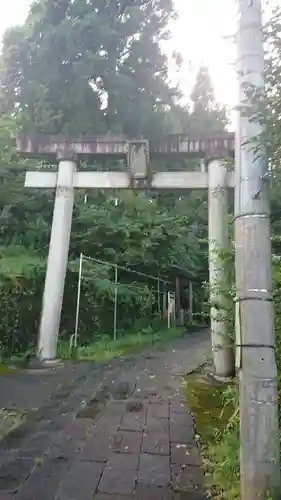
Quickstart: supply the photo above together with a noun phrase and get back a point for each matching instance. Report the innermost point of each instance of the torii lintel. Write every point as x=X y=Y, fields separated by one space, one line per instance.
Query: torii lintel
x=92 y=146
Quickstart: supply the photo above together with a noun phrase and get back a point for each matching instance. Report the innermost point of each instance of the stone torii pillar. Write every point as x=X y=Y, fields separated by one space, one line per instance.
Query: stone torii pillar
x=223 y=353
x=58 y=256
x=68 y=151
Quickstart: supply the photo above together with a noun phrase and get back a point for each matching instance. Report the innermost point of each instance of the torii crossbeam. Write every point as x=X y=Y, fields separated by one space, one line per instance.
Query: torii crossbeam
x=68 y=152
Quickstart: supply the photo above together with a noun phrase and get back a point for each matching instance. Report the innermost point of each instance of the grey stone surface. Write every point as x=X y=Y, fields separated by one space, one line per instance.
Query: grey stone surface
x=117 y=481
x=154 y=470
x=81 y=481
x=140 y=447
x=156 y=444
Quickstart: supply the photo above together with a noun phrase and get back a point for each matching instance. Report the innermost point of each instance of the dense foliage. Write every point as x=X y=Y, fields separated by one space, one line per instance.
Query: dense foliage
x=89 y=66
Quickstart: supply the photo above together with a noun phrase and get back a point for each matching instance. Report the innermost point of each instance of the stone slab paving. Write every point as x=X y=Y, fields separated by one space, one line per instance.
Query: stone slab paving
x=133 y=440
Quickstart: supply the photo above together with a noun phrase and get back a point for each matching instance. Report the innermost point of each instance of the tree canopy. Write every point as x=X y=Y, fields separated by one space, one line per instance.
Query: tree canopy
x=89 y=66
x=207 y=115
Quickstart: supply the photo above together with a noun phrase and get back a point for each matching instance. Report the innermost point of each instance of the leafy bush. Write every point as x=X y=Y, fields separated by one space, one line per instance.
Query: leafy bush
x=21 y=285
x=22 y=277
x=135 y=304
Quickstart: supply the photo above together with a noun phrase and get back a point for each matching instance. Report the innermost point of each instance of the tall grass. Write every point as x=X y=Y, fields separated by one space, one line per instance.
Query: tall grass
x=104 y=348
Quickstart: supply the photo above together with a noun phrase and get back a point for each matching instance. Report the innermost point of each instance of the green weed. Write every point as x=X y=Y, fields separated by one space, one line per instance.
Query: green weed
x=10 y=420
x=104 y=348
x=217 y=423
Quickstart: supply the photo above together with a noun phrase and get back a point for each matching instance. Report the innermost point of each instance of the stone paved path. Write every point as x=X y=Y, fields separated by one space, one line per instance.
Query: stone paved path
x=124 y=432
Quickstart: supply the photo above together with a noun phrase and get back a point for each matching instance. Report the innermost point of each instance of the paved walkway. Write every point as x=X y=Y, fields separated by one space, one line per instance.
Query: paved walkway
x=123 y=432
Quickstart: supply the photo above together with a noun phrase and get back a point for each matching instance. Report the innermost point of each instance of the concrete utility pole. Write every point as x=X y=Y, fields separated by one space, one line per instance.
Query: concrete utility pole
x=222 y=347
x=259 y=433
x=138 y=177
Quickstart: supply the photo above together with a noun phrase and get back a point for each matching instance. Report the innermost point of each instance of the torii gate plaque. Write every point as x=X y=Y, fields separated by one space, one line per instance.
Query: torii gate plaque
x=67 y=152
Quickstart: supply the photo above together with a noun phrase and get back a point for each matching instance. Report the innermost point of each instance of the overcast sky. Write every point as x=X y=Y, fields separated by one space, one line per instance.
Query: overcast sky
x=202 y=34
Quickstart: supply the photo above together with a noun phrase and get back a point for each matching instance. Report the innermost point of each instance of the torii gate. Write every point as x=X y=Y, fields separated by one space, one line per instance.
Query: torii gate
x=68 y=152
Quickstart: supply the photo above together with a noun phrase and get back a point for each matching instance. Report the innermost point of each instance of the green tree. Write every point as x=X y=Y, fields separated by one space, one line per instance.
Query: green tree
x=80 y=66
x=207 y=117
x=267 y=110
x=25 y=215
